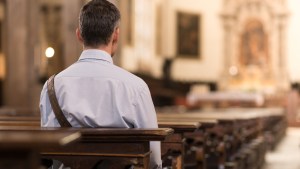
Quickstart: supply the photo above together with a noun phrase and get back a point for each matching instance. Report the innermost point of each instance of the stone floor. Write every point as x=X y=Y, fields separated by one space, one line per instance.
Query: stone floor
x=287 y=153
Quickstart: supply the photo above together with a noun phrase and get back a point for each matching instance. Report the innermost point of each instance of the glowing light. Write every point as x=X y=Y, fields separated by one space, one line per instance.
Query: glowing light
x=49 y=52
x=233 y=70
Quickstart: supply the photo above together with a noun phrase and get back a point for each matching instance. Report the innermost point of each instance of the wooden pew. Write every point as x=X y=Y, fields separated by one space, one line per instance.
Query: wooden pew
x=15 y=120
x=19 y=118
x=7 y=111
x=179 y=128
x=274 y=125
x=225 y=133
x=174 y=148
x=228 y=131
x=236 y=124
x=193 y=154
x=20 y=149
x=20 y=123
x=124 y=146
x=120 y=146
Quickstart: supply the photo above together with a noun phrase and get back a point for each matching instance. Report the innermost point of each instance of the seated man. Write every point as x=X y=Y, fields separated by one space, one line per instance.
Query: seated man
x=93 y=92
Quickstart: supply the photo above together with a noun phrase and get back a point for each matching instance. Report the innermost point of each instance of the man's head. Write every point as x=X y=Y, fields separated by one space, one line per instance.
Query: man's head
x=99 y=24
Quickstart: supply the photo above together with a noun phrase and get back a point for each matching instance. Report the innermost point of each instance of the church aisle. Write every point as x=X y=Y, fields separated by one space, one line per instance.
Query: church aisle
x=287 y=153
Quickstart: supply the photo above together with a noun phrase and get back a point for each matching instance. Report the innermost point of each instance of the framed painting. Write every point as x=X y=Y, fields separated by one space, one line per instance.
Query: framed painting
x=254 y=45
x=188 y=43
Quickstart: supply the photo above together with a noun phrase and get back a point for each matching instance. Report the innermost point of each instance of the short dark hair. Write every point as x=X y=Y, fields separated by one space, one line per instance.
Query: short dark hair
x=97 y=21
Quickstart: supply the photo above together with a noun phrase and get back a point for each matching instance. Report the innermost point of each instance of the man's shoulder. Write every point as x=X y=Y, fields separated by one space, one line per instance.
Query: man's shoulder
x=131 y=78
x=115 y=72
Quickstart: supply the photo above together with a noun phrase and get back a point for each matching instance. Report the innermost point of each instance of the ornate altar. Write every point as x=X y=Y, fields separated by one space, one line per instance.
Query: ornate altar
x=254 y=46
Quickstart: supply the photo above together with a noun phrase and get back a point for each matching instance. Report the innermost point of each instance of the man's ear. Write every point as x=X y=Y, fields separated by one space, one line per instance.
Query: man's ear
x=78 y=35
x=116 y=35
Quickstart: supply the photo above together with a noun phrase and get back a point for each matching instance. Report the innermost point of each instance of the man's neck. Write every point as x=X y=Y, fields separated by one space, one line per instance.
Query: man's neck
x=103 y=48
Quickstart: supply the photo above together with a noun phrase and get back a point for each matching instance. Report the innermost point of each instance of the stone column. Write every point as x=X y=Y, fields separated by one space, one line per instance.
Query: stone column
x=35 y=86
x=72 y=47
x=21 y=88
x=282 y=60
x=117 y=59
x=227 y=43
x=228 y=24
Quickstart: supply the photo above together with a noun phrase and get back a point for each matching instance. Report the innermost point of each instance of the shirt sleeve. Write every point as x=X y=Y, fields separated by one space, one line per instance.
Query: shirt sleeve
x=43 y=105
x=47 y=117
x=146 y=118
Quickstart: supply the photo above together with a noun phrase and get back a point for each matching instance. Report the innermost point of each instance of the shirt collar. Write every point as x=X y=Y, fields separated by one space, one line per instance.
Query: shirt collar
x=95 y=54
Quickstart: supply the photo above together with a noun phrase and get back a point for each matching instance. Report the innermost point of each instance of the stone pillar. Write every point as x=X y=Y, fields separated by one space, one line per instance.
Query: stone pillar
x=227 y=43
x=72 y=47
x=21 y=88
x=117 y=58
x=283 y=79
x=228 y=57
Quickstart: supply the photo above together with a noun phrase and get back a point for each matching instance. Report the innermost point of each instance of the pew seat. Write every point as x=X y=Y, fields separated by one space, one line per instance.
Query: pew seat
x=124 y=147
x=20 y=149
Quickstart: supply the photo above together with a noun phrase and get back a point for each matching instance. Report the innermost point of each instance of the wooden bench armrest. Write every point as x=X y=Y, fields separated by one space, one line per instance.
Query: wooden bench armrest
x=123 y=134
x=180 y=127
x=105 y=134
x=37 y=139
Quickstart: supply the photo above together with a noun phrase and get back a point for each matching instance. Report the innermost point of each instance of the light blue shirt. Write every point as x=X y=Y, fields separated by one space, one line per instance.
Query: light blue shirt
x=93 y=92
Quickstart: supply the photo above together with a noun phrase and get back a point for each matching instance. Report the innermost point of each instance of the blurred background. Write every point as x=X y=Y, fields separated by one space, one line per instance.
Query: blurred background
x=180 y=48
x=193 y=54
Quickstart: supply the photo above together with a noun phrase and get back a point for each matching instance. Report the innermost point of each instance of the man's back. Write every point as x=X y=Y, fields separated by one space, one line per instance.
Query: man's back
x=95 y=93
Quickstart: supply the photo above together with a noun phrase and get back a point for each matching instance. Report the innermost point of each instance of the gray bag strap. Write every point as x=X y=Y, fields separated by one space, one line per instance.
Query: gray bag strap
x=54 y=104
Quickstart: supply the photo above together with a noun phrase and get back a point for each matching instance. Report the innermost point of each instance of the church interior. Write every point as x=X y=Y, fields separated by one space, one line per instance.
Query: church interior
x=223 y=75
